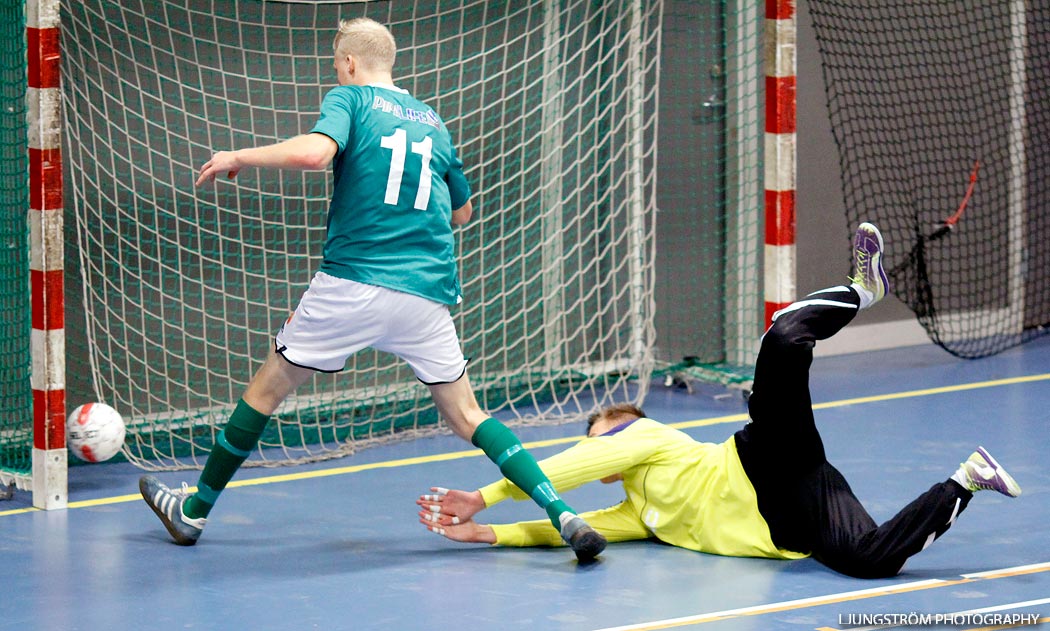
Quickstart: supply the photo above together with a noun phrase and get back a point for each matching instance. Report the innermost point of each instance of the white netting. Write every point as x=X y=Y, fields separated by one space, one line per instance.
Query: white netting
x=553 y=107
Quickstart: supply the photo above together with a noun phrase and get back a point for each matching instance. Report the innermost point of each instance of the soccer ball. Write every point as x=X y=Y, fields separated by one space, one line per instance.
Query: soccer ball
x=94 y=432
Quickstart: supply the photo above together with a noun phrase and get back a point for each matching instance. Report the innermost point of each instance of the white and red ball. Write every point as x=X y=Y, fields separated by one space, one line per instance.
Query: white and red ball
x=94 y=432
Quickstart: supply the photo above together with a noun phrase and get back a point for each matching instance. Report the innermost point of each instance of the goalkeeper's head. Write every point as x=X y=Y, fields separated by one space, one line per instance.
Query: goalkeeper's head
x=363 y=48
x=611 y=417
x=608 y=419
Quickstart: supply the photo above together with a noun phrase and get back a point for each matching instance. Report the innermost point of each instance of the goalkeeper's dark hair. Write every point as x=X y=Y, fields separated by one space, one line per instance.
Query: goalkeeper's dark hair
x=619 y=411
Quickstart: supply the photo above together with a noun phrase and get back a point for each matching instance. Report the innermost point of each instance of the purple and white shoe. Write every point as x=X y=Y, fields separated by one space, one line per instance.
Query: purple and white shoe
x=984 y=473
x=867 y=262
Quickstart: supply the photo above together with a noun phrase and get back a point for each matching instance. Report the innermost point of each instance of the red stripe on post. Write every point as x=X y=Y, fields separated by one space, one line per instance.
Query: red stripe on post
x=47 y=298
x=780 y=9
x=771 y=308
x=780 y=217
x=44 y=55
x=45 y=179
x=49 y=419
x=780 y=104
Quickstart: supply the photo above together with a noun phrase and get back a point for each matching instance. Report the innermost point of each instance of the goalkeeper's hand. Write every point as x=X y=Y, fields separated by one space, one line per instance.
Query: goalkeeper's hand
x=449 y=507
x=466 y=532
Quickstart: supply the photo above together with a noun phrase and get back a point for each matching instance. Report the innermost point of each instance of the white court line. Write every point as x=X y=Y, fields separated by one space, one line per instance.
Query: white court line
x=828 y=599
x=1012 y=571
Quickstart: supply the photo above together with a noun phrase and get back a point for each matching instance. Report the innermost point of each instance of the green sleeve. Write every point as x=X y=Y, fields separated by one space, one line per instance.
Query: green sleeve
x=458 y=187
x=336 y=116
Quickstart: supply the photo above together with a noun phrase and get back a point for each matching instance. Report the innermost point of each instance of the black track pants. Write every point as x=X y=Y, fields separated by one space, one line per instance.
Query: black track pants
x=807 y=503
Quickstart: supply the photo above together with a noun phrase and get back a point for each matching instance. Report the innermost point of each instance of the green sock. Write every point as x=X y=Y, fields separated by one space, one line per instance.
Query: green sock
x=232 y=447
x=517 y=465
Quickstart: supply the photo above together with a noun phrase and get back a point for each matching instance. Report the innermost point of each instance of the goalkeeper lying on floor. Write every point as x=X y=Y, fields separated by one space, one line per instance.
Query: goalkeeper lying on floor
x=768 y=491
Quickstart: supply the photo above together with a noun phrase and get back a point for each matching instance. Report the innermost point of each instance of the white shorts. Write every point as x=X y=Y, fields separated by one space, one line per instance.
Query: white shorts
x=337 y=317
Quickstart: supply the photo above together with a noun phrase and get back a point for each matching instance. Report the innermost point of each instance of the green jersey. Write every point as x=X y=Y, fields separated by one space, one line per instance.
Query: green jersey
x=397 y=181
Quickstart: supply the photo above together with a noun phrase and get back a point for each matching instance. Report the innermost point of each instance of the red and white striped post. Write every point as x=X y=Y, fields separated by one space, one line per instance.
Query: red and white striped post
x=48 y=340
x=780 y=158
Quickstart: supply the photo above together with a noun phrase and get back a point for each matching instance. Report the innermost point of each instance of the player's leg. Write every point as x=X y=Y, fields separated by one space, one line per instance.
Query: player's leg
x=780 y=407
x=184 y=515
x=316 y=338
x=459 y=407
x=850 y=543
x=423 y=334
x=781 y=449
x=275 y=380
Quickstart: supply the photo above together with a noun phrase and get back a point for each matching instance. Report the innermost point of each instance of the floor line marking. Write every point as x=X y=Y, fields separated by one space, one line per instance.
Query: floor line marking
x=473 y=453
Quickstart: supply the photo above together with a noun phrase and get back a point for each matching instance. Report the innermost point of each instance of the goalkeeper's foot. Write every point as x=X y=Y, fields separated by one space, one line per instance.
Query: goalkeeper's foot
x=167 y=504
x=981 y=472
x=584 y=540
x=868 y=273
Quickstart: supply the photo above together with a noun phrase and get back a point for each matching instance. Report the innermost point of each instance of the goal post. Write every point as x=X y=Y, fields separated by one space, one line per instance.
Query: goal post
x=34 y=376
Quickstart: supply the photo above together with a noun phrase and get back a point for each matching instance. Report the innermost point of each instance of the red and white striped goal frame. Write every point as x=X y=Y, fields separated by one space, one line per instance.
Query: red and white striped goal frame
x=780 y=157
x=49 y=477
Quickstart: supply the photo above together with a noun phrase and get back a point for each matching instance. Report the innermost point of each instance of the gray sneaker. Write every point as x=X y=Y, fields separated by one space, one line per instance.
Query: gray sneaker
x=984 y=473
x=867 y=261
x=585 y=541
x=167 y=504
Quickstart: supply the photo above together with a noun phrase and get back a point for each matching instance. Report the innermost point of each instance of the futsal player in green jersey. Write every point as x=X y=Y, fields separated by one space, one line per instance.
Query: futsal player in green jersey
x=768 y=491
x=386 y=281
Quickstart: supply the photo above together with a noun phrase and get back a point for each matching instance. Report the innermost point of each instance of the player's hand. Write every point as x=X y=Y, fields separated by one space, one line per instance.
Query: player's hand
x=222 y=162
x=448 y=507
x=467 y=532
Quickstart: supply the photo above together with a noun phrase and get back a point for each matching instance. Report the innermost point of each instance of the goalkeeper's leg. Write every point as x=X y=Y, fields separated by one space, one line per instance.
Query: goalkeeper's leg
x=459 y=407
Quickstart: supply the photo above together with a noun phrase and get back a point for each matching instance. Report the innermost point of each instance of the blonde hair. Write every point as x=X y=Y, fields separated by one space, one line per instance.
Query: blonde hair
x=370 y=43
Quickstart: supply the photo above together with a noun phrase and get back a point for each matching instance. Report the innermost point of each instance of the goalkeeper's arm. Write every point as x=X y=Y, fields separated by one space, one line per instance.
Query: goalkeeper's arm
x=617 y=523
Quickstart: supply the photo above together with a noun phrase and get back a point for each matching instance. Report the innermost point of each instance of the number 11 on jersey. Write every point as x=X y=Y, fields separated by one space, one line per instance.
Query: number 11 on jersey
x=398 y=145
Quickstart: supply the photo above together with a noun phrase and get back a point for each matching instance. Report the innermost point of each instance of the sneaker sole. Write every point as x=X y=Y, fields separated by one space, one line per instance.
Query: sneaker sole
x=588 y=544
x=179 y=538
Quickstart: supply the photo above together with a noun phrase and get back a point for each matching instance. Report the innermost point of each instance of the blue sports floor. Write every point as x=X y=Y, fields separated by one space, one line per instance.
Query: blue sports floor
x=337 y=546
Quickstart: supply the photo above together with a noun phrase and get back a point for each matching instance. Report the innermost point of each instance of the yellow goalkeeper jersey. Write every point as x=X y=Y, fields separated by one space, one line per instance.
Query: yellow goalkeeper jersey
x=685 y=493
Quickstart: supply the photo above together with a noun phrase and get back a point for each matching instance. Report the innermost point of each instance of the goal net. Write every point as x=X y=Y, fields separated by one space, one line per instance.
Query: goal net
x=179 y=291
x=941 y=116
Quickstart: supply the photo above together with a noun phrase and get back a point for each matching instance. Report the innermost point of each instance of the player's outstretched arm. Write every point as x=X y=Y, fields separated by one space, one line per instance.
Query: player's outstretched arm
x=616 y=523
x=309 y=152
